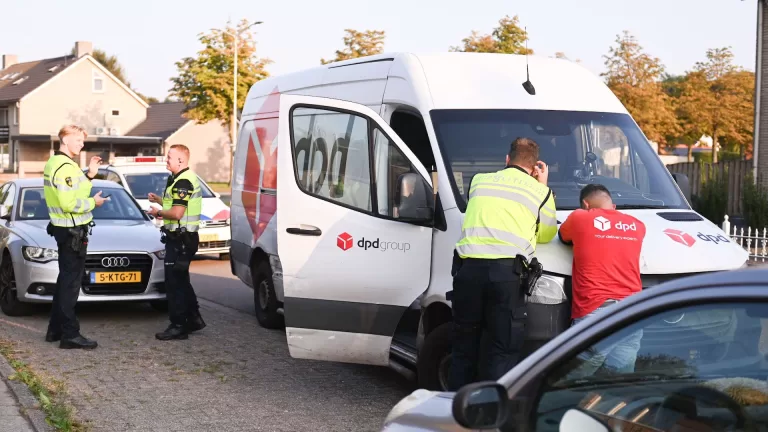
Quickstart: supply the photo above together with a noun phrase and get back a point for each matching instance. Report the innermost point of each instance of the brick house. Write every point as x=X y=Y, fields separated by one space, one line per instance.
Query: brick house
x=38 y=97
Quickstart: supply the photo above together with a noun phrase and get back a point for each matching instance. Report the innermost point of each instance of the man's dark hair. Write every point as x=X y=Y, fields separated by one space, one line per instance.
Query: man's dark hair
x=592 y=189
x=524 y=152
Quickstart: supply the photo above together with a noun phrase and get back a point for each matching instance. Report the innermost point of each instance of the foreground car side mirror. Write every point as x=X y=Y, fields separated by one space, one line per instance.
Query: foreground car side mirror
x=482 y=405
x=5 y=213
x=577 y=420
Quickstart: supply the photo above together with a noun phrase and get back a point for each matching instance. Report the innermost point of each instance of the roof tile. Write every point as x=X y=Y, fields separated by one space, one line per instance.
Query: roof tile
x=163 y=119
x=35 y=73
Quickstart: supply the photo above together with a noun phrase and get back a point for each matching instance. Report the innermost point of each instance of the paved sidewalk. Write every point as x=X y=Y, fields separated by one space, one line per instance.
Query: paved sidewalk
x=11 y=419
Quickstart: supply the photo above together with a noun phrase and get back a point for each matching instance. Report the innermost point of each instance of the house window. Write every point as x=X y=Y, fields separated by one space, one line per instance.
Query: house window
x=98 y=82
x=4 y=117
x=115 y=113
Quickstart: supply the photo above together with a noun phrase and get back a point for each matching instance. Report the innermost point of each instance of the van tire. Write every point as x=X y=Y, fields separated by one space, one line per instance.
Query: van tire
x=264 y=297
x=434 y=358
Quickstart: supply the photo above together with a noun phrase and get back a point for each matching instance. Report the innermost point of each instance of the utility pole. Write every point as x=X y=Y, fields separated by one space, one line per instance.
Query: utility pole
x=233 y=121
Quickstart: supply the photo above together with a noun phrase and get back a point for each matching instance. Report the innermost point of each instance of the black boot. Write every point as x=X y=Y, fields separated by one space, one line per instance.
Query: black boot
x=52 y=336
x=195 y=322
x=78 y=342
x=174 y=331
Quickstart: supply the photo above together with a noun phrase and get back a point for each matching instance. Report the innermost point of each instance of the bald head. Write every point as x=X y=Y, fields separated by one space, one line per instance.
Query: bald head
x=177 y=158
x=596 y=196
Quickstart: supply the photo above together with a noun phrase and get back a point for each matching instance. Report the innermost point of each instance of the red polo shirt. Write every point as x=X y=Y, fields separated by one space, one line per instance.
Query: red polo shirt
x=606 y=257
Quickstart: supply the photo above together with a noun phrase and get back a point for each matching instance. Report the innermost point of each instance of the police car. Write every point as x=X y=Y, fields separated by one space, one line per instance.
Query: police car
x=141 y=175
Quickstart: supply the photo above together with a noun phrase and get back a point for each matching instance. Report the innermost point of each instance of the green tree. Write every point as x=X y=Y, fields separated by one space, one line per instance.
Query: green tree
x=717 y=99
x=507 y=38
x=635 y=78
x=359 y=44
x=205 y=83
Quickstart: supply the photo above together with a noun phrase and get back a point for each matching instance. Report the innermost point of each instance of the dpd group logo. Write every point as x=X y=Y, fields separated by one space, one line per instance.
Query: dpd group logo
x=345 y=241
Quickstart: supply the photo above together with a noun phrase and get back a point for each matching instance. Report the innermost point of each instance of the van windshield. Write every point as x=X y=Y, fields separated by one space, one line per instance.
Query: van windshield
x=579 y=148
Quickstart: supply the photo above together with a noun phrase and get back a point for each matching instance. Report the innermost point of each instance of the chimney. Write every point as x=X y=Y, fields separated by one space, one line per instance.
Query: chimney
x=9 y=60
x=82 y=48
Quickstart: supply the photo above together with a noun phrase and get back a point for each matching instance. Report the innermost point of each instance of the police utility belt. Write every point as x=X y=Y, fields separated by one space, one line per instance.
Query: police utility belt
x=179 y=236
x=78 y=235
x=529 y=272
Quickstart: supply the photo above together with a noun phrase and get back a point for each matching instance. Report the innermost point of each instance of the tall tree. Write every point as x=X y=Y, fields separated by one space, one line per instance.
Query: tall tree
x=717 y=100
x=507 y=38
x=359 y=44
x=205 y=83
x=634 y=77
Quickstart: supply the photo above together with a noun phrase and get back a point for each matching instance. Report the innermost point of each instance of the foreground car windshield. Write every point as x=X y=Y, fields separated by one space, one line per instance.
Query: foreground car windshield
x=141 y=184
x=476 y=141
x=32 y=205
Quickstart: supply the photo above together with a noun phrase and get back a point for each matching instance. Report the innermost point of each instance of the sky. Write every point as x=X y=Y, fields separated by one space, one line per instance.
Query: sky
x=148 y=37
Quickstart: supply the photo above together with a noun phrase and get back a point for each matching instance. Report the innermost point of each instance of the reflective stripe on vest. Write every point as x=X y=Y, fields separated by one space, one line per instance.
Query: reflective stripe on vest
x=501 y=215
x=191 y=218
x=67 y=192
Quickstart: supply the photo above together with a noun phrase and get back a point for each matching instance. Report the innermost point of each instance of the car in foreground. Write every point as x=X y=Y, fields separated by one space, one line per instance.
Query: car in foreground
x=701 y=366
x=125 y=255
x=141 y=175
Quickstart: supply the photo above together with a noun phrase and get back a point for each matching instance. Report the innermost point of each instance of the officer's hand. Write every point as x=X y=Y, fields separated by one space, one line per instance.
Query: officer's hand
x=153 y=211
x=93 y=166
x=541 y=172
x=99 y=199
x=154 y=198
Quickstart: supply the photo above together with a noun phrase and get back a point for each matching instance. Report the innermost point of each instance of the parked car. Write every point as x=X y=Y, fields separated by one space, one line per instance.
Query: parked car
x=701 y=366
x=141 y=175
x=125 y=255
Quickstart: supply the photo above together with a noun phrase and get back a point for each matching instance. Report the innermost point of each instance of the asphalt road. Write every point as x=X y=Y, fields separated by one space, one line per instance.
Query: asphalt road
x=233 y=375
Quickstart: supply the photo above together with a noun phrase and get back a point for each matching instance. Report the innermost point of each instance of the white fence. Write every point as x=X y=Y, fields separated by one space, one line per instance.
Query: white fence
x=755 y=241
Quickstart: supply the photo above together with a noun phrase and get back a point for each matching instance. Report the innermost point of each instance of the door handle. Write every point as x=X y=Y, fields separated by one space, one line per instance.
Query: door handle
x=309 y=230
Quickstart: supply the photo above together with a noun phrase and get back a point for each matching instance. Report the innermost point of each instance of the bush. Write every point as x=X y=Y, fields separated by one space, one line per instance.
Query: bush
x=712 y=200
x=754 y=203
x=706 y=157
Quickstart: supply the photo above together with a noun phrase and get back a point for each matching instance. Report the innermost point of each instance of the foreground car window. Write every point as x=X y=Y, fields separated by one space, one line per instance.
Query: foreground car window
x=696 y=368
x=33 y=206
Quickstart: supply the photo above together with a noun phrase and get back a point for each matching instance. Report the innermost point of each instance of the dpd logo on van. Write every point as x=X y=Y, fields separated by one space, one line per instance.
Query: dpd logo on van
x=345 y=241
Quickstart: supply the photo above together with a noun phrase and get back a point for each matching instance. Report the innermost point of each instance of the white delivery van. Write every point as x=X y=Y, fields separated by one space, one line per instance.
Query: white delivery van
x=354 y=259
x=140 y=175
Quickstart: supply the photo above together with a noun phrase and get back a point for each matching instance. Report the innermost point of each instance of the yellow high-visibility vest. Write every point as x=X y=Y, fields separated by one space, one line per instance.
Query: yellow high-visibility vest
x=67 y=192
x=508 y=213
x=185 y=193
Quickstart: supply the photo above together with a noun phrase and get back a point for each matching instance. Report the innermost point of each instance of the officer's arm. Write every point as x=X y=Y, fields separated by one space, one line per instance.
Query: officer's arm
x=547 y=221
x=180 y=194
x=68 y=181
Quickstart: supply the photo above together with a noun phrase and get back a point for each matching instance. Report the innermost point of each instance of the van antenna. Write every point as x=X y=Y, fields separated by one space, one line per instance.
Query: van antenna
x=527 y=85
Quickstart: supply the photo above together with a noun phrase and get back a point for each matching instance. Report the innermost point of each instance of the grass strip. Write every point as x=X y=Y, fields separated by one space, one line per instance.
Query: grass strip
x=49 y=392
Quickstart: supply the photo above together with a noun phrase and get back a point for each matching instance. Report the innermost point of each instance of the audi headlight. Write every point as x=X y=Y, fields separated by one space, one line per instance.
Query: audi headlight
x=38 y=254
x=160 y=254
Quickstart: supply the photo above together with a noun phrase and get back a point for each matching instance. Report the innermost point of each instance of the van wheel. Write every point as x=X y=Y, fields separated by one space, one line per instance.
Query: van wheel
x=9 y=300
x=264 y=297
x=434 y=359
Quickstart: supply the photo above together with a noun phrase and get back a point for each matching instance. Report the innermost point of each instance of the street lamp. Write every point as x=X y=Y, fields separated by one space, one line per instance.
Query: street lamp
x=233 y=122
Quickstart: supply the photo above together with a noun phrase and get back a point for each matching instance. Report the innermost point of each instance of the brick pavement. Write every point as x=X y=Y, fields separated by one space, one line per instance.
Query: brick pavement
x=11 y=419
x=232 y=376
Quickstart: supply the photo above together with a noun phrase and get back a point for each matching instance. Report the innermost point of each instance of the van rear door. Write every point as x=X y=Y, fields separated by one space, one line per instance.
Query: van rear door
x=353 y=255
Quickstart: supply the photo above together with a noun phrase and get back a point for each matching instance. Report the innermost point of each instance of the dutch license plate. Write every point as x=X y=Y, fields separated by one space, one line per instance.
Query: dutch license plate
x=209 y=237
x=116 y=277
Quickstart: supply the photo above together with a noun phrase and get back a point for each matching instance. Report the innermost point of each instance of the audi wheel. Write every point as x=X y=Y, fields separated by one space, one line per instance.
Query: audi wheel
x=9 y=300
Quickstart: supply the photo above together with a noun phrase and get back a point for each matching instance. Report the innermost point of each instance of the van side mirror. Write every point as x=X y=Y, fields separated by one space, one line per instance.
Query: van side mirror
x=5 y=213
x=684 y=184
x=482 y=405
x=415 y=200
x=577 y=420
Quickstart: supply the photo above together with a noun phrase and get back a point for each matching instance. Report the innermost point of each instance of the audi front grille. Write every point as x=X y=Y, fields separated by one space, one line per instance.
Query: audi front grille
x=115 y=262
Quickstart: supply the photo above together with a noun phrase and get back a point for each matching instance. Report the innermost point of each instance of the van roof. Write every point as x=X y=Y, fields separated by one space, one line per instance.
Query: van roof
x=459 y=80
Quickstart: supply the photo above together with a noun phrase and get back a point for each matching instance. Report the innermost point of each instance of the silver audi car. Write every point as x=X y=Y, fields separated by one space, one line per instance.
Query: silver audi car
x=125 y=255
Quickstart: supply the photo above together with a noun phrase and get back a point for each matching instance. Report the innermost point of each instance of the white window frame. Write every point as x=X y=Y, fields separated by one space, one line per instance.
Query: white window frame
x=95 y=75
x=15 y=115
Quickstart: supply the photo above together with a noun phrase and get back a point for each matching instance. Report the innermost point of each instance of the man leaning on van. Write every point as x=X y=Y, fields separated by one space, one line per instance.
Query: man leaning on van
x=508 y=212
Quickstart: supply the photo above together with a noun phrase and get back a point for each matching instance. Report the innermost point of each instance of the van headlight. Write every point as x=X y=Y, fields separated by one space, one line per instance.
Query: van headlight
x=550 y=289
x=408 y=403
x=38 y=254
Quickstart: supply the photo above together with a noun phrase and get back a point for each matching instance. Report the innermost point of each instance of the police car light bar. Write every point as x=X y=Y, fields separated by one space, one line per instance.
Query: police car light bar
x=138 y=159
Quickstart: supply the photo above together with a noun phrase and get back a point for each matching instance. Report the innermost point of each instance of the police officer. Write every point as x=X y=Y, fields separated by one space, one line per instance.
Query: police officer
x=508 y=212
x=182 y=203
x=67 y=194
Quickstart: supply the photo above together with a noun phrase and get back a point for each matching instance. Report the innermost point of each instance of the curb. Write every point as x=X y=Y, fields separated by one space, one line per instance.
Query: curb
x=29 y=403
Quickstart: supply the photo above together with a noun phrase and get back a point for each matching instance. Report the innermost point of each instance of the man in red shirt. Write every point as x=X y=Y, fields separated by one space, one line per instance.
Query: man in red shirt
x=606 y=268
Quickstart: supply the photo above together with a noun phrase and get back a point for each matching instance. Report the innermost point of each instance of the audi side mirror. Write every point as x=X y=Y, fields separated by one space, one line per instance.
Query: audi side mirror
x=482 y=405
